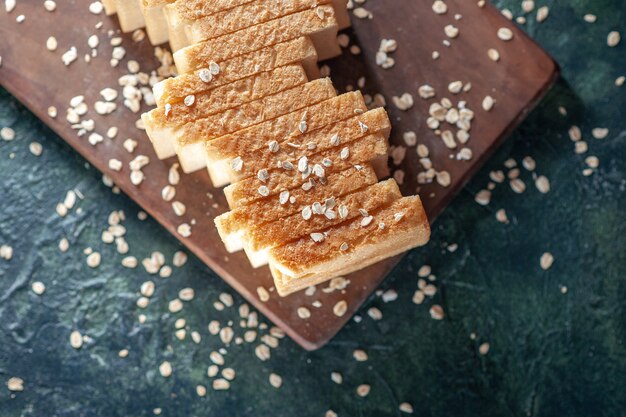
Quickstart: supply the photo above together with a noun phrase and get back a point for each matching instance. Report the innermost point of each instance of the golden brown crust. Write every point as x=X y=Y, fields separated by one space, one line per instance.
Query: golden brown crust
x=266 y=210
x=257 y=37
x=313 y=142
x=231 y=95
x=291 y=228
x=302 y=255
x=196 y=9
x=247 y=191
x=177 y=88
x=256 y=111
x=247 y=15
x=282 y=128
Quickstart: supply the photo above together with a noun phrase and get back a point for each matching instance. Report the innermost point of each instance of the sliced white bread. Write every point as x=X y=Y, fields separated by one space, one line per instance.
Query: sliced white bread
x=191 y=138
x=350 y=246
x=231 y=225
x=300 y=50
x=319 y=24
x=163 y=124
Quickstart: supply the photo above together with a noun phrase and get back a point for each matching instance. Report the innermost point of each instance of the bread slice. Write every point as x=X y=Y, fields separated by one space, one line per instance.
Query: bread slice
x=311 y=143
x=299 y=50
x=231 y=224
x=182 y=13
x=220 y=150
x=154 y=16
x=244 y=16
x=190 y=138
x=248 y=190
x=326 y=213
x=319 y=24
x=305 y=262
x=162 y=125
x=129 y=15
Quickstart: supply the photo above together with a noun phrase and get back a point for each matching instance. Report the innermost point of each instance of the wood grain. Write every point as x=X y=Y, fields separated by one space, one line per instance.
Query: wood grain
x=38 y=78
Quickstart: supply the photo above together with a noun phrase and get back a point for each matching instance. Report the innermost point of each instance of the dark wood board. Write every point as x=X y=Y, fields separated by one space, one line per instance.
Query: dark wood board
x=524 y=73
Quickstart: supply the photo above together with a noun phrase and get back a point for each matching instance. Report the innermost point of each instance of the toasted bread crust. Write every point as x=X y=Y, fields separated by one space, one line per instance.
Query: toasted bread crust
x=196 y=9
x=247 y=15
x=230 y=95
x=312 y=143
x=305 y=257
x=266 y=210
x=254 y=38
x=361 y=151
x=284 y=127
x=291 y=228
x=256 y=111
x=175 y=89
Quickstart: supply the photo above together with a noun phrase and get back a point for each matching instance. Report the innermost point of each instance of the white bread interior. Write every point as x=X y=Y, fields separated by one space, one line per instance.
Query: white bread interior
x=129 y=15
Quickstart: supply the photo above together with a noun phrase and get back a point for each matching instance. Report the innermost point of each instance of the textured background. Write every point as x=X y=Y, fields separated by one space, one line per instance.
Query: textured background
x=552 y=354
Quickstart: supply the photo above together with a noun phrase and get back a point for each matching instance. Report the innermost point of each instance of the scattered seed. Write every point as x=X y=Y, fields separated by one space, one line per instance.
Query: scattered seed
x=275 y=380
x=15 y=384
x=363 y=390
x=76 y=339
x=451 y=31
x=340 y=308
x=440 y=7
x=613 y=39
x=38 y=287
x=262 y=352
x=483 y=349
x=505 y=34
x=406 y=408
x=221 y=384
x=304 y=313
x=546 y=261
x=493 y=55
x=336 y=377
x=436 y=312
x=488 y=103
x=360 y=355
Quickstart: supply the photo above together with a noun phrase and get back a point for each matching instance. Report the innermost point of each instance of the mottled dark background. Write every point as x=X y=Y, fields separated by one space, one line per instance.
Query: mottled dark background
x=551 y=354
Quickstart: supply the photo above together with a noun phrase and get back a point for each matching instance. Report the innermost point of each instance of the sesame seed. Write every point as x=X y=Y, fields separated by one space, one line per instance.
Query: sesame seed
x=275 y=380
x=363 y=390
x=189 y=100
x=613 y=39
x=546 y=261
x=406 y=408
x=505 y=34
x=262 y=352
x=264 y=191
x=493 y=55
x=76 y=339
x=236 y=164
x=205 y=75
x=221 y=384
x=488 y=103
x=51 y=43
x=359 y=355
x=340 y=308
x=436 y=312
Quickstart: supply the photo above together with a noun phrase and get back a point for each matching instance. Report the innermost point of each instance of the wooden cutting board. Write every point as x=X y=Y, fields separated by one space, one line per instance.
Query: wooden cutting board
x=38 y=78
